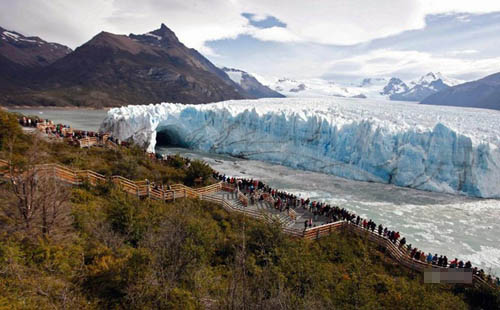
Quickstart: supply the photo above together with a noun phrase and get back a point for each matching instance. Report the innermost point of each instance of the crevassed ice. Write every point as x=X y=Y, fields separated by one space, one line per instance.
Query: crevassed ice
x=443 y=149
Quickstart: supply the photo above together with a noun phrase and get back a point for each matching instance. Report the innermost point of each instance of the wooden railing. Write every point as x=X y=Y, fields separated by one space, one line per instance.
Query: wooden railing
x=242 y=198
x=260 y=215
x=395 y=250
x=322 y=230
x=144 y=189
x=138 y=188
x=88 y=142
x=292 y=214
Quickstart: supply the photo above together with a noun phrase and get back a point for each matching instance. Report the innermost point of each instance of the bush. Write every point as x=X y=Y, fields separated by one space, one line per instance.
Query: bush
x=198 y=170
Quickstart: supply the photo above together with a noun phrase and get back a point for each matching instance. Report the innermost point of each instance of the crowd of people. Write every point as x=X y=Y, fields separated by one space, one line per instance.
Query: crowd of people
x=66 y=132
x=332 y=213
x=283 y=201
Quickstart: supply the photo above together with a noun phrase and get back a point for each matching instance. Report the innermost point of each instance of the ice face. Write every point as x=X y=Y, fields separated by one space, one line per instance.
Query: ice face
x=441 y=149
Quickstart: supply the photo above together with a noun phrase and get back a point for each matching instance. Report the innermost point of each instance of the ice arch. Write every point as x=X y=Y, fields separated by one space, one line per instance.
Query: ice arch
x=431 y=148
x=171 y=135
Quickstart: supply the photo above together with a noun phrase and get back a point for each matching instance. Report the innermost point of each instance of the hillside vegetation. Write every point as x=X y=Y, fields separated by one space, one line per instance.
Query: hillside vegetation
x=109 y=250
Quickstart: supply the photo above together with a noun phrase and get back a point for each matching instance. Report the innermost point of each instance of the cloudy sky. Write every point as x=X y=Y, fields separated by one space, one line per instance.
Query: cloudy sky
x=332 y=39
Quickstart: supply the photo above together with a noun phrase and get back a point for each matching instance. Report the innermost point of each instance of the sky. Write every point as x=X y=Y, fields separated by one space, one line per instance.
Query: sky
x=339 y=40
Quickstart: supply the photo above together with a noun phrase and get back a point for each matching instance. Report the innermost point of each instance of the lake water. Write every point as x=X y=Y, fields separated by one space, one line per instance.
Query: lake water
x=83 y=119
x=457 y=226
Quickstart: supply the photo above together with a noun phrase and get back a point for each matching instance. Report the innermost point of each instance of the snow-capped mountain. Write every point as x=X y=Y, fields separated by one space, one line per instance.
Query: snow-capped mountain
x=394 y=87
x=422 y=88
x=250 y=84
x=308 y=88
x=374 y=88
x=29 y=51
x=431 y=78
x=483 y=93
x=371 y=82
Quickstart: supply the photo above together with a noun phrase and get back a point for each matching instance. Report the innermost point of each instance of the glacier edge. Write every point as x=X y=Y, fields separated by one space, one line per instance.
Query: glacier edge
x=329 y=136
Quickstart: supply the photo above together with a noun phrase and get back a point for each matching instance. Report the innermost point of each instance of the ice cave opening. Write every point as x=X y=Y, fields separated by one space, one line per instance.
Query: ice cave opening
x=170 y=136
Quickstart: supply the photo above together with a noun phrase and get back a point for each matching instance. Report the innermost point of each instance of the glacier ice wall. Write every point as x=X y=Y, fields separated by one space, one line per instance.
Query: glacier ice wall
x=439 y=149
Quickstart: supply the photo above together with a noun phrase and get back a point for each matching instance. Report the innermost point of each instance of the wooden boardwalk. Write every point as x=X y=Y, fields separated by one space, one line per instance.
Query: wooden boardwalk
x=233 y=201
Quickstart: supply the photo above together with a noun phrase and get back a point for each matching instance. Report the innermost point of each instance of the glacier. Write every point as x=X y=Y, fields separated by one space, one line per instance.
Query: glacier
x=433 y=148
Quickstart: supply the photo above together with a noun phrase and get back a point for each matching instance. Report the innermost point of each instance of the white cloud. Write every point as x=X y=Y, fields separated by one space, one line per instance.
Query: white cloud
x=258 y=17
x=460 y=6
x=463 y=52
x=409 y=64
x=314 y=24
x=340 y=22
x=67 y=22
x=278 y=34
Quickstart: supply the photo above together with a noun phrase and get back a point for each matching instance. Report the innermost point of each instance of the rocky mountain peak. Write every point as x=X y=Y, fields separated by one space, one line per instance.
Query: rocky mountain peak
x=165 y=33
x=395 y=86
x=162 y=37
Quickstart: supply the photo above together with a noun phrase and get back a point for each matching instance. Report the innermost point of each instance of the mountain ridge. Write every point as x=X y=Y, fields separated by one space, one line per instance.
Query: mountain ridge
x=29 y=51
x=483 y=93
x=117 y=70
x=250 y=84
x=374 y=88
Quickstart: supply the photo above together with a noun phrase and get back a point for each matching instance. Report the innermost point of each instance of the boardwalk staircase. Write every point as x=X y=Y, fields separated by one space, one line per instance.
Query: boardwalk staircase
x=233 y=201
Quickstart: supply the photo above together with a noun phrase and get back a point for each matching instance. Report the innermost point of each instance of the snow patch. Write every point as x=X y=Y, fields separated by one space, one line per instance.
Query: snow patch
x=236 y=76
x=11 y=35
x=157 y=37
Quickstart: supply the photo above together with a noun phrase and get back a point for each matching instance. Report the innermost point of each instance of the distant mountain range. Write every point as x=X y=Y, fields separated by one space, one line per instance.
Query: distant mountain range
x=374 y=88
x=110 y=70
x=427 y=85
x=313 y=88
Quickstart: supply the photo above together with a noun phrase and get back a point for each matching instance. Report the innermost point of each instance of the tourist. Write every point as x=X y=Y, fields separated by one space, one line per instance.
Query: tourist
x=429 y=258
x=481 y=274
x=402 y=242
x=453 y=263
x=435 y=259
x=423 y=257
